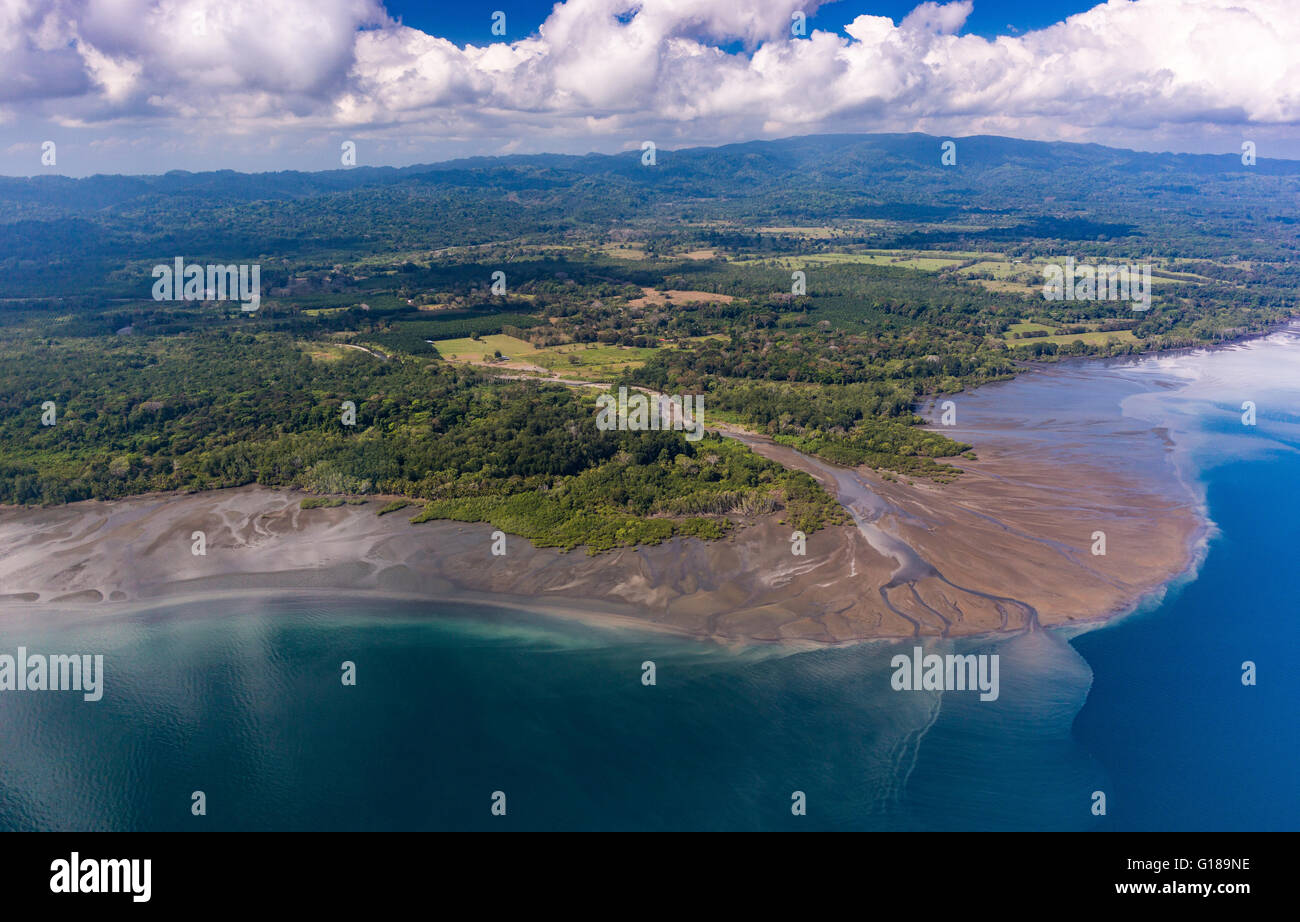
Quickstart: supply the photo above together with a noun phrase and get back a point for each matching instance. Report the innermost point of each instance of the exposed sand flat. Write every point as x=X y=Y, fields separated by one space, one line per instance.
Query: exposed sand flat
x=1031 y=536
x=1005 y=546
x=1011 y=540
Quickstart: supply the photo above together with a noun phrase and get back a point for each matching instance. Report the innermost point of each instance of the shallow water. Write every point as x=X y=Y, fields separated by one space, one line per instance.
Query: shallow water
x=242 y=698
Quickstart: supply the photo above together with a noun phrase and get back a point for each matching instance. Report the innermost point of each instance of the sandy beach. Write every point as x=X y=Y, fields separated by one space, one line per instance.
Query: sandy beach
x=1005 y=547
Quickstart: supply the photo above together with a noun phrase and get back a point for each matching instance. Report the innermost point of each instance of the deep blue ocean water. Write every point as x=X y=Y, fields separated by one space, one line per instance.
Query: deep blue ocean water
x=241 y=697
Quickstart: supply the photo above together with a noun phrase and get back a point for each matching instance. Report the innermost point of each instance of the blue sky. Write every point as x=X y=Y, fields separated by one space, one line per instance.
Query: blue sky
x=470 y=23
x=154 y=85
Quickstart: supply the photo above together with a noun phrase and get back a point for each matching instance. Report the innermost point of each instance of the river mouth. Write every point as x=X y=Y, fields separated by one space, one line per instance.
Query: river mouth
x=1005 y=548
x=240 y=696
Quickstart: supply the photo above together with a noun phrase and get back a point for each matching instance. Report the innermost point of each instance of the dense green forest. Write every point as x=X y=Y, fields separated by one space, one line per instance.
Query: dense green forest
x=814 y=290
x=208 y=410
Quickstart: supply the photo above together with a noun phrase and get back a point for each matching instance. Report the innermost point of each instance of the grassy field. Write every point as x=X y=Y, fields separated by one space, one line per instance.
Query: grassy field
x=484 y=348
x=819 y=233
x=623 y=250
x=1004 y=270
x=587 y=361
x=652 y=297
x=1026 y=277
x=1008 y=287
x=322 y=352
x=1098 y=338
x=702 y=339
x=590 y=361
x=924 y=260
x=1092 y=337
x=1028 y=326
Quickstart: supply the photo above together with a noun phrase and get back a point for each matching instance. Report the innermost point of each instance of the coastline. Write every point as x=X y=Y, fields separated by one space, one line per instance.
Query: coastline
x=920 y=560
x=923 y=560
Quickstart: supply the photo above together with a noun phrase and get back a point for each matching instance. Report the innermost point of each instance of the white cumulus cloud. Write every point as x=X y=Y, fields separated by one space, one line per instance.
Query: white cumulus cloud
x=599 y=74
